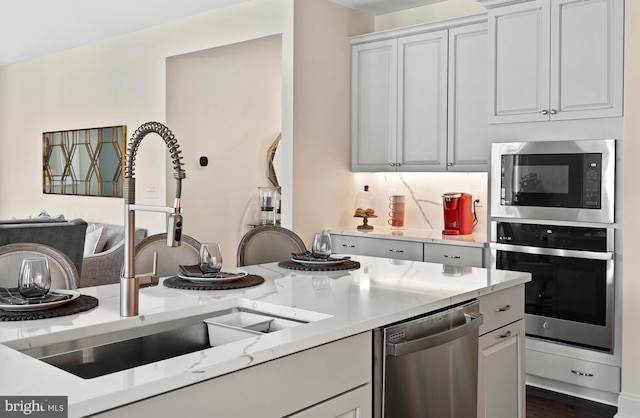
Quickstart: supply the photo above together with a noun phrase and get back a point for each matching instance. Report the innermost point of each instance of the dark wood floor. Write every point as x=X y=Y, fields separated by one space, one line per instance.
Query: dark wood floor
x=545 y=404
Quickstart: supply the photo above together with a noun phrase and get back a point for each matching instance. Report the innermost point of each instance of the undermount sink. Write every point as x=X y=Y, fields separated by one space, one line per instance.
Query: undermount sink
x=109 y=353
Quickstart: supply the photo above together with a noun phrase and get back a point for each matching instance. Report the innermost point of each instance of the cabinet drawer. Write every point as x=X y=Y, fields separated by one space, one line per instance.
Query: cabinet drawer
x=397 y=249
x=453 y=255
x=345 y=244
x=501 y=308
x=377 y=247
x=570 y=370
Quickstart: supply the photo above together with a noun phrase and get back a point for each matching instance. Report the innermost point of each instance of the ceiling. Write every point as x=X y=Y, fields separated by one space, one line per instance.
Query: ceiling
x=30 y=28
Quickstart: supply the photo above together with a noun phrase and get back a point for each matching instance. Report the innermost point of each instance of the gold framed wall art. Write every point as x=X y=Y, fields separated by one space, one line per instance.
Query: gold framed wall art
x=84 y=162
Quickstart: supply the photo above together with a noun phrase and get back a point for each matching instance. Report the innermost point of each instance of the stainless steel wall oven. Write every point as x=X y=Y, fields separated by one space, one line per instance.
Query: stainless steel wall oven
x=571 y=296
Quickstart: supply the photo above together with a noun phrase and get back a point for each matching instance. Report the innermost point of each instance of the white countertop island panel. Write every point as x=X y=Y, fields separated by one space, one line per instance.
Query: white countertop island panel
x=381 y=292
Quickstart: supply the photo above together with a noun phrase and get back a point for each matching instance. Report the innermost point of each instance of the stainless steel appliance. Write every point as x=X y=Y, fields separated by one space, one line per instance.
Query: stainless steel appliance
x=427 y=367
x=570 y=298
x=554 y=180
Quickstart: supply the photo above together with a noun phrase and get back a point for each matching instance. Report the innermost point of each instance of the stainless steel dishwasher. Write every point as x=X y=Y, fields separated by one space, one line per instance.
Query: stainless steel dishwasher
x=427 y=367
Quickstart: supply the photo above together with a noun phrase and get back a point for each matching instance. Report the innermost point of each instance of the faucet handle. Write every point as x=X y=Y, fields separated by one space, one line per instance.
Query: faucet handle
x=148 y=280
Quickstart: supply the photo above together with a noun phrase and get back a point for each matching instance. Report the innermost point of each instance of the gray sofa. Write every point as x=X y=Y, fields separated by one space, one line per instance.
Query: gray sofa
x=65 y=235
x=104 y=267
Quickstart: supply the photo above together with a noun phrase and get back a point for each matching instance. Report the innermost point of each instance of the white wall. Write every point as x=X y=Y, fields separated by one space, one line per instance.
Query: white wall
x=227 y=103
x=120 y=81
x=629 y=401
x=435 y=12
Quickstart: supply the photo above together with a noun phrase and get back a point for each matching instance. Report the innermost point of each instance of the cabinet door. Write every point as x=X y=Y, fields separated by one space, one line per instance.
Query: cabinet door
x=467 y=135
x=422 y=102
x=501 y=385
x=373 y=106
x=354 y=404
x=519 y=54
x=586 y=58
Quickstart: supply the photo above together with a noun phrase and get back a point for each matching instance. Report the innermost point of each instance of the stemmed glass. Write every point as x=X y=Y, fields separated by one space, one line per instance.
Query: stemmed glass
x=210 y=257
x=35 y=278
x=321 y=245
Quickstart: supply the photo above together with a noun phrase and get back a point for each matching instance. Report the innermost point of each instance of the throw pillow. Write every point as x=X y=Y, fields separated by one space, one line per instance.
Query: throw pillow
x=91 y=239
x=102 y=242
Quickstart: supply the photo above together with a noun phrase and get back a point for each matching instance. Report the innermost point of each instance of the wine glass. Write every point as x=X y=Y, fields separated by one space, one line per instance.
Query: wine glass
x=35 y=278
x=210 y=257
x=321 y=245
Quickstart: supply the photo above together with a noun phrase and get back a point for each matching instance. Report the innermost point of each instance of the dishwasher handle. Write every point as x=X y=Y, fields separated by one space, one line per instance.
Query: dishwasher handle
x=424 y=343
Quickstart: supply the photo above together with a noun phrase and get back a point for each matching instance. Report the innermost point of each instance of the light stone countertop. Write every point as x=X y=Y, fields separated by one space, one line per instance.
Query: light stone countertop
x=345 y=303
x=417 y=235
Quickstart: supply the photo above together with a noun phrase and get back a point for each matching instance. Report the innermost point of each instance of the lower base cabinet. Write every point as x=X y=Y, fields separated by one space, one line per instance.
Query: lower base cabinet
x=501 y=386
x=447 y=254
x=332 y=380
x=353 y=404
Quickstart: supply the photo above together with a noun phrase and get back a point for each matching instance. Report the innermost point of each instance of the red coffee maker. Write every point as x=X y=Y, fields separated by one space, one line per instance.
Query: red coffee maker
x=458 y=215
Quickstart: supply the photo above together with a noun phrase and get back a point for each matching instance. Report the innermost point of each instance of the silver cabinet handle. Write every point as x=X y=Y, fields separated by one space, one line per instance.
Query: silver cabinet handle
x=505 y=335
x=553 y=111
x=395 y=251
x=449 y=164
x=503 y=308
x=455 y=257
x=544 y=111
x=348 y=245
x=408 y=347
x=582 y=373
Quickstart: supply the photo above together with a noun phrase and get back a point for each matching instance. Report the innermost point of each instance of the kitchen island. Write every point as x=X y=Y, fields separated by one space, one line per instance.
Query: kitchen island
x=337 y=305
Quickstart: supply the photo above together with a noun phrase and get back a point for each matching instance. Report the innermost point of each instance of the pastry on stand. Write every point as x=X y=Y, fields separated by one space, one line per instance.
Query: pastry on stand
x=365 y=202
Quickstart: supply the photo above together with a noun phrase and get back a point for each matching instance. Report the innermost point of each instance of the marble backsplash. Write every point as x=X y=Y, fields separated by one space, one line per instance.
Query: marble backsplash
x=423 y=193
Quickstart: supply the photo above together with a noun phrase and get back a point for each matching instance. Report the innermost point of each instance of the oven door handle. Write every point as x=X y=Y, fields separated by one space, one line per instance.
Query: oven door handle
x=593 y=255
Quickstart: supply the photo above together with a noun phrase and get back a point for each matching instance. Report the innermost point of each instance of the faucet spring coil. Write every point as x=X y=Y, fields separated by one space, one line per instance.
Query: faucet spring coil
x=169 y=139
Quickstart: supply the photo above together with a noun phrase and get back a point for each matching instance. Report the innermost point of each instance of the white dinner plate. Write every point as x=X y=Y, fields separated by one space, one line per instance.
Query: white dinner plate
x=328 y=262
x=45 y=305
x=223 y=276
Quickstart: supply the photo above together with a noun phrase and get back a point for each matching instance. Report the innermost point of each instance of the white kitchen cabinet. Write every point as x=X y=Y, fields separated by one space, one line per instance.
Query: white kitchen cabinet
x=277 y=388
x=454 y=255
x=555 y=59
x=501 y=367
x=417 y=98
x=422 y=102
x=501 y=351
x=467 y=133
x=377 y=247
x=579 y=372
x=374 y=105
x=353 y=404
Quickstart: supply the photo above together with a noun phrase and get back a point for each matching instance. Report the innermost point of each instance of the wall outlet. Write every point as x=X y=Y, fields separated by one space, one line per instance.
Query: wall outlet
x=152 y=192
x=478 y=195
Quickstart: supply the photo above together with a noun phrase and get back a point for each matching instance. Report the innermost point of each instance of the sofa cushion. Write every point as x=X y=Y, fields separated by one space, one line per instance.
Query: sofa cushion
x=66 y=236
x=94 y=241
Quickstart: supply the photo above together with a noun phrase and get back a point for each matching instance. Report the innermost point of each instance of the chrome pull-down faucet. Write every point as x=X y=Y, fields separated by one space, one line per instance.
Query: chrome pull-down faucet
x=129 y=283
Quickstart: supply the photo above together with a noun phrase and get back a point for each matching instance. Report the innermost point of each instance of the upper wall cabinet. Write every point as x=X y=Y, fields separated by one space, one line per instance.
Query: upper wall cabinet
x=418 y=98
x=555 y=59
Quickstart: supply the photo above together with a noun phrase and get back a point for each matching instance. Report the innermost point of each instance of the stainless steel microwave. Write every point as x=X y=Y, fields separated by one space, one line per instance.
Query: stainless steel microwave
x=554 y=180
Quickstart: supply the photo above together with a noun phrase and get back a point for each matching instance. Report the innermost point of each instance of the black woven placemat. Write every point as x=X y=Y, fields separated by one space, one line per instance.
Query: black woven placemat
x=81 y=304
x=346 y=265
x=176 y=282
